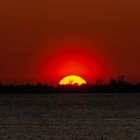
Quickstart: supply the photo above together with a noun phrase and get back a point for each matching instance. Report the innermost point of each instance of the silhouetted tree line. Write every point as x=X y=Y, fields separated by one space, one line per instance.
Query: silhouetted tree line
x=115 y=86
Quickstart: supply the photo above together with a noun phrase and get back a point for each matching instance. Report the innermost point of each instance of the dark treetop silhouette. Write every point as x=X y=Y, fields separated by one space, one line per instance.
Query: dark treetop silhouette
x=115 y=85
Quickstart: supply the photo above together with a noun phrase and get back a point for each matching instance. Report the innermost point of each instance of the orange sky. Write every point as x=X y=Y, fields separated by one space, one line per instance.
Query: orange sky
x=27 y=25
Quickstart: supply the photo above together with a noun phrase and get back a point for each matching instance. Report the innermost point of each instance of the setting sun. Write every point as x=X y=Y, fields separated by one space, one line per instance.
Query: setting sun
x=72 y=80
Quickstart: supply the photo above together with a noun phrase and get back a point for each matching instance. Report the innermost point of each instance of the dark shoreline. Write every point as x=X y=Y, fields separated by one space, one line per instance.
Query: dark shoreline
x=112 y=88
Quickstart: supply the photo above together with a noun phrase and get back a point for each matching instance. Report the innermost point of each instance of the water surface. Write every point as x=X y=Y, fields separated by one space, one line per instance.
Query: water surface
x=70 y=116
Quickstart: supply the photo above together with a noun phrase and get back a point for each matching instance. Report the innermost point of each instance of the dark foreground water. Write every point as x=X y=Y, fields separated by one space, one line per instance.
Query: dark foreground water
x=70 y=117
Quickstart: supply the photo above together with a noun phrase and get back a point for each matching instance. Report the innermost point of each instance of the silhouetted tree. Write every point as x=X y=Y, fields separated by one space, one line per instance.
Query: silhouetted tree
x=71 y=82
x=99 y=81
x=121 y=78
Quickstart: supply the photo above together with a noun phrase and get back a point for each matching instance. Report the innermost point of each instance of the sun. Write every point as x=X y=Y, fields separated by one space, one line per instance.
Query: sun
x=72 y=80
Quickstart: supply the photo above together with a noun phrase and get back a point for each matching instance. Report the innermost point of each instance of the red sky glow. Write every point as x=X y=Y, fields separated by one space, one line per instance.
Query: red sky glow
x=72 y=58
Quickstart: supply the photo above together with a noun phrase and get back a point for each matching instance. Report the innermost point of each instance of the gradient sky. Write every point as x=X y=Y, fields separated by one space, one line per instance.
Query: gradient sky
x=28 y=28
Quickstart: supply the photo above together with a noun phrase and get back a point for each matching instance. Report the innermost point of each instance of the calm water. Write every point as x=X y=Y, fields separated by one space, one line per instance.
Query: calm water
x=70 y=117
